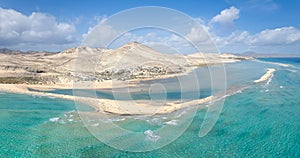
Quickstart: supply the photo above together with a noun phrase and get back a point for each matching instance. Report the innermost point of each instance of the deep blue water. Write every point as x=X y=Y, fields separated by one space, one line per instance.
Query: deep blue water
x=282 y=60
x=261 y=121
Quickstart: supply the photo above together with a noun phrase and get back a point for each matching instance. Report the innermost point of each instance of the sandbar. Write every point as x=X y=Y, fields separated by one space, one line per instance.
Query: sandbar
x=117 y=107
x=266 y=76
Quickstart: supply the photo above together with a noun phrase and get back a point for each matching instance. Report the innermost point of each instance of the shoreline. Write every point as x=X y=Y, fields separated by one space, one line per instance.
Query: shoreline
x=116 y=107
x=266 y=76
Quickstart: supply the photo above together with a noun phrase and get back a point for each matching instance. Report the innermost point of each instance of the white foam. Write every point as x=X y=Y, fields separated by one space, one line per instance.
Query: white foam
x=70 y=120
x=68 y=115
x=270 y=80
x=281 y=87
x=172 y=122
x=71 y=111
x=118 y=119
x=228 y=95
x=110 y=120
x=95 y=125
x=274 y=63
x=290 y=70
x=155 y=121
x=180 y=114
x=150 y=135
x=54 y=119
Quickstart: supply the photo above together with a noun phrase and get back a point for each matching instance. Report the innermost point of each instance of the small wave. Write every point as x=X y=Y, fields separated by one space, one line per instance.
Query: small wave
x=274 y=63
x=36 y=96
x=116 y=119
x=110 y=120
x=155 y=121
x=172 y=122
x=230 y=92
x=293 y=71
x=68 y=115
x=151 y=136
x=281 y=87
x=180 y=114
x=140 y=117
x=270 y=79
x=70 y=120
x=95 y=125
x=54 y=119
x=1 y=93
x=234 y=91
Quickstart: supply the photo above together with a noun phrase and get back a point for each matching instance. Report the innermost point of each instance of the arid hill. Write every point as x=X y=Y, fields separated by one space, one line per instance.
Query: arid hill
x=131 y=61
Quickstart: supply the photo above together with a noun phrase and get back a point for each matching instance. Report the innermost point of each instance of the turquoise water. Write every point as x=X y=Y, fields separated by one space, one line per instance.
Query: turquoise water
x=261 y=121
x=133 y=95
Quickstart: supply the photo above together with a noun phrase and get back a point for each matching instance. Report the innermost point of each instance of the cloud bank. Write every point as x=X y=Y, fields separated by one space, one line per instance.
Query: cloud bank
x=40 y=31
x=35 y=30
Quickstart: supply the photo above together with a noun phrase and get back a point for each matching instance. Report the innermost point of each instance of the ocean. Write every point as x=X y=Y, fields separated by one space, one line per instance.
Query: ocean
x=261 y=120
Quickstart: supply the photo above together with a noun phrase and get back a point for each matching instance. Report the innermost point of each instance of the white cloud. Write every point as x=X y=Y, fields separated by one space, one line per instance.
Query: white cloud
x=269 y=39
x=99 y=36
x=227 y=16
x=234 y=42
x=198 y=34
x=17 y=29
x=237 y=37
x=278 y=36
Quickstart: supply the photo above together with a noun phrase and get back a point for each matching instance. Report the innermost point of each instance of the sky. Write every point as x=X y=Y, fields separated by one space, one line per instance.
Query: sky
x=235 y=26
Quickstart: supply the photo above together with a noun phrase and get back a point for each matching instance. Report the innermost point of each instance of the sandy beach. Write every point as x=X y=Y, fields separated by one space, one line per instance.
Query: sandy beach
x=266 y=76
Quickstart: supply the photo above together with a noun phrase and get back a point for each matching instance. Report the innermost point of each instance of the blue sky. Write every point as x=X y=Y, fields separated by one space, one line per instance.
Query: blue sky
x=263 y=26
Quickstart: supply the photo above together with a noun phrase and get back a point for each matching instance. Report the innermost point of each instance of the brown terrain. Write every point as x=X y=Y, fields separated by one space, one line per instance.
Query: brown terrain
x=131 y=61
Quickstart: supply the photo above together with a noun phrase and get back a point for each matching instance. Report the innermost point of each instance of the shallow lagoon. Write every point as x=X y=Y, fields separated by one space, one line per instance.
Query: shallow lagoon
x=262 y=120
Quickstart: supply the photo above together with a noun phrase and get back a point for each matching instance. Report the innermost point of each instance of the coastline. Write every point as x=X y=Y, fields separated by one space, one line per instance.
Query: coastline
x=116 y=107
x=40 y=77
